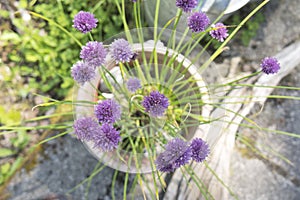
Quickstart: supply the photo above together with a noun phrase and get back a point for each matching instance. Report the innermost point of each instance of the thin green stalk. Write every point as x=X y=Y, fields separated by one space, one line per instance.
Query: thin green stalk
x=87 y=179
x=196 y=178
x=116 y=82
x=125 y=186
x=53 y=127
x=90 y=36
x=182 y=39
x=150 y=153
x=268 y=97
x=245 y=140
x=60 y=6
x=243 y=78
x=113 y=185
x=266 y=86
x=156 y=19
x=274 y=152
x=48 y=116
x=133 y=187
x=265 y=129
x=96 y=89
x=54 y=137
x=57 y=25
x=121 y=10
x=90 y=181
x=238 y=114
x=252 y=147
x=105 y=79
x=57 y=103
x=137 y=16
x=220 y=180
x=203 y=192
x=148 y=186
x=97 y=6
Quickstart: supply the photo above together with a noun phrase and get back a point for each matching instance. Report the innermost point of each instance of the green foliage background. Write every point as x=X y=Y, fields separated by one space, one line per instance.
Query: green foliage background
x=43 y=53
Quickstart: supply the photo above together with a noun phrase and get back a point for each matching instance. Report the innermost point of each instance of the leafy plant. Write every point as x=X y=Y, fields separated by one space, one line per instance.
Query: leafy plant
x=44 y=53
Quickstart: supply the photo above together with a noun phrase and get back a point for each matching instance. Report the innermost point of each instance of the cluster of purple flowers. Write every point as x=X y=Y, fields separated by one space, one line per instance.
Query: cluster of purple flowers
x=186 y=5
x=270 y=65
x=101 y=130
x=199 y=21
x=93 y=54
x=155 y=104
x=107 y=138
x=108 y=111
x=84 y=22
x=133 y=84
x=121 y=51
x=178 y=153
x=82 y=72
x=104 y=136
x=86 y=128
x=219 y=32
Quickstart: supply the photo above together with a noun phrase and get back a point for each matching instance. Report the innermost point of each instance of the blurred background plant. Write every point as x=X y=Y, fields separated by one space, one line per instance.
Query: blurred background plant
x=43 y=54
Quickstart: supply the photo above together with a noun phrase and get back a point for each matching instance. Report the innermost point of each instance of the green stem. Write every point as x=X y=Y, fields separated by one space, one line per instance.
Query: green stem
x=156 y=19
x=54 y=137
x=220 y=180
x=57 y=25
x=90 y=36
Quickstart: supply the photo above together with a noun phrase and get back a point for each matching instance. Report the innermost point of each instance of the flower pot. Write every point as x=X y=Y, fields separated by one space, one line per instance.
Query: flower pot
x=141 y=161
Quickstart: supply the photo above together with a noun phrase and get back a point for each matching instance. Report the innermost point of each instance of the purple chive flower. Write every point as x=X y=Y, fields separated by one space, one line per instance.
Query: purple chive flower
x=163 y=165
x=107 y=138
x=133 y=84
x=85 y=128
x=200 y=149
x=186 y=5
x=84 y=22
x=134 y=1
x=108 y=111
x=93 y=53
x=82 y=72
x=270 y=65
x=155 y=104
x=219 y=32
x=121 y=51
x=176 y=154
x=198 y=22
